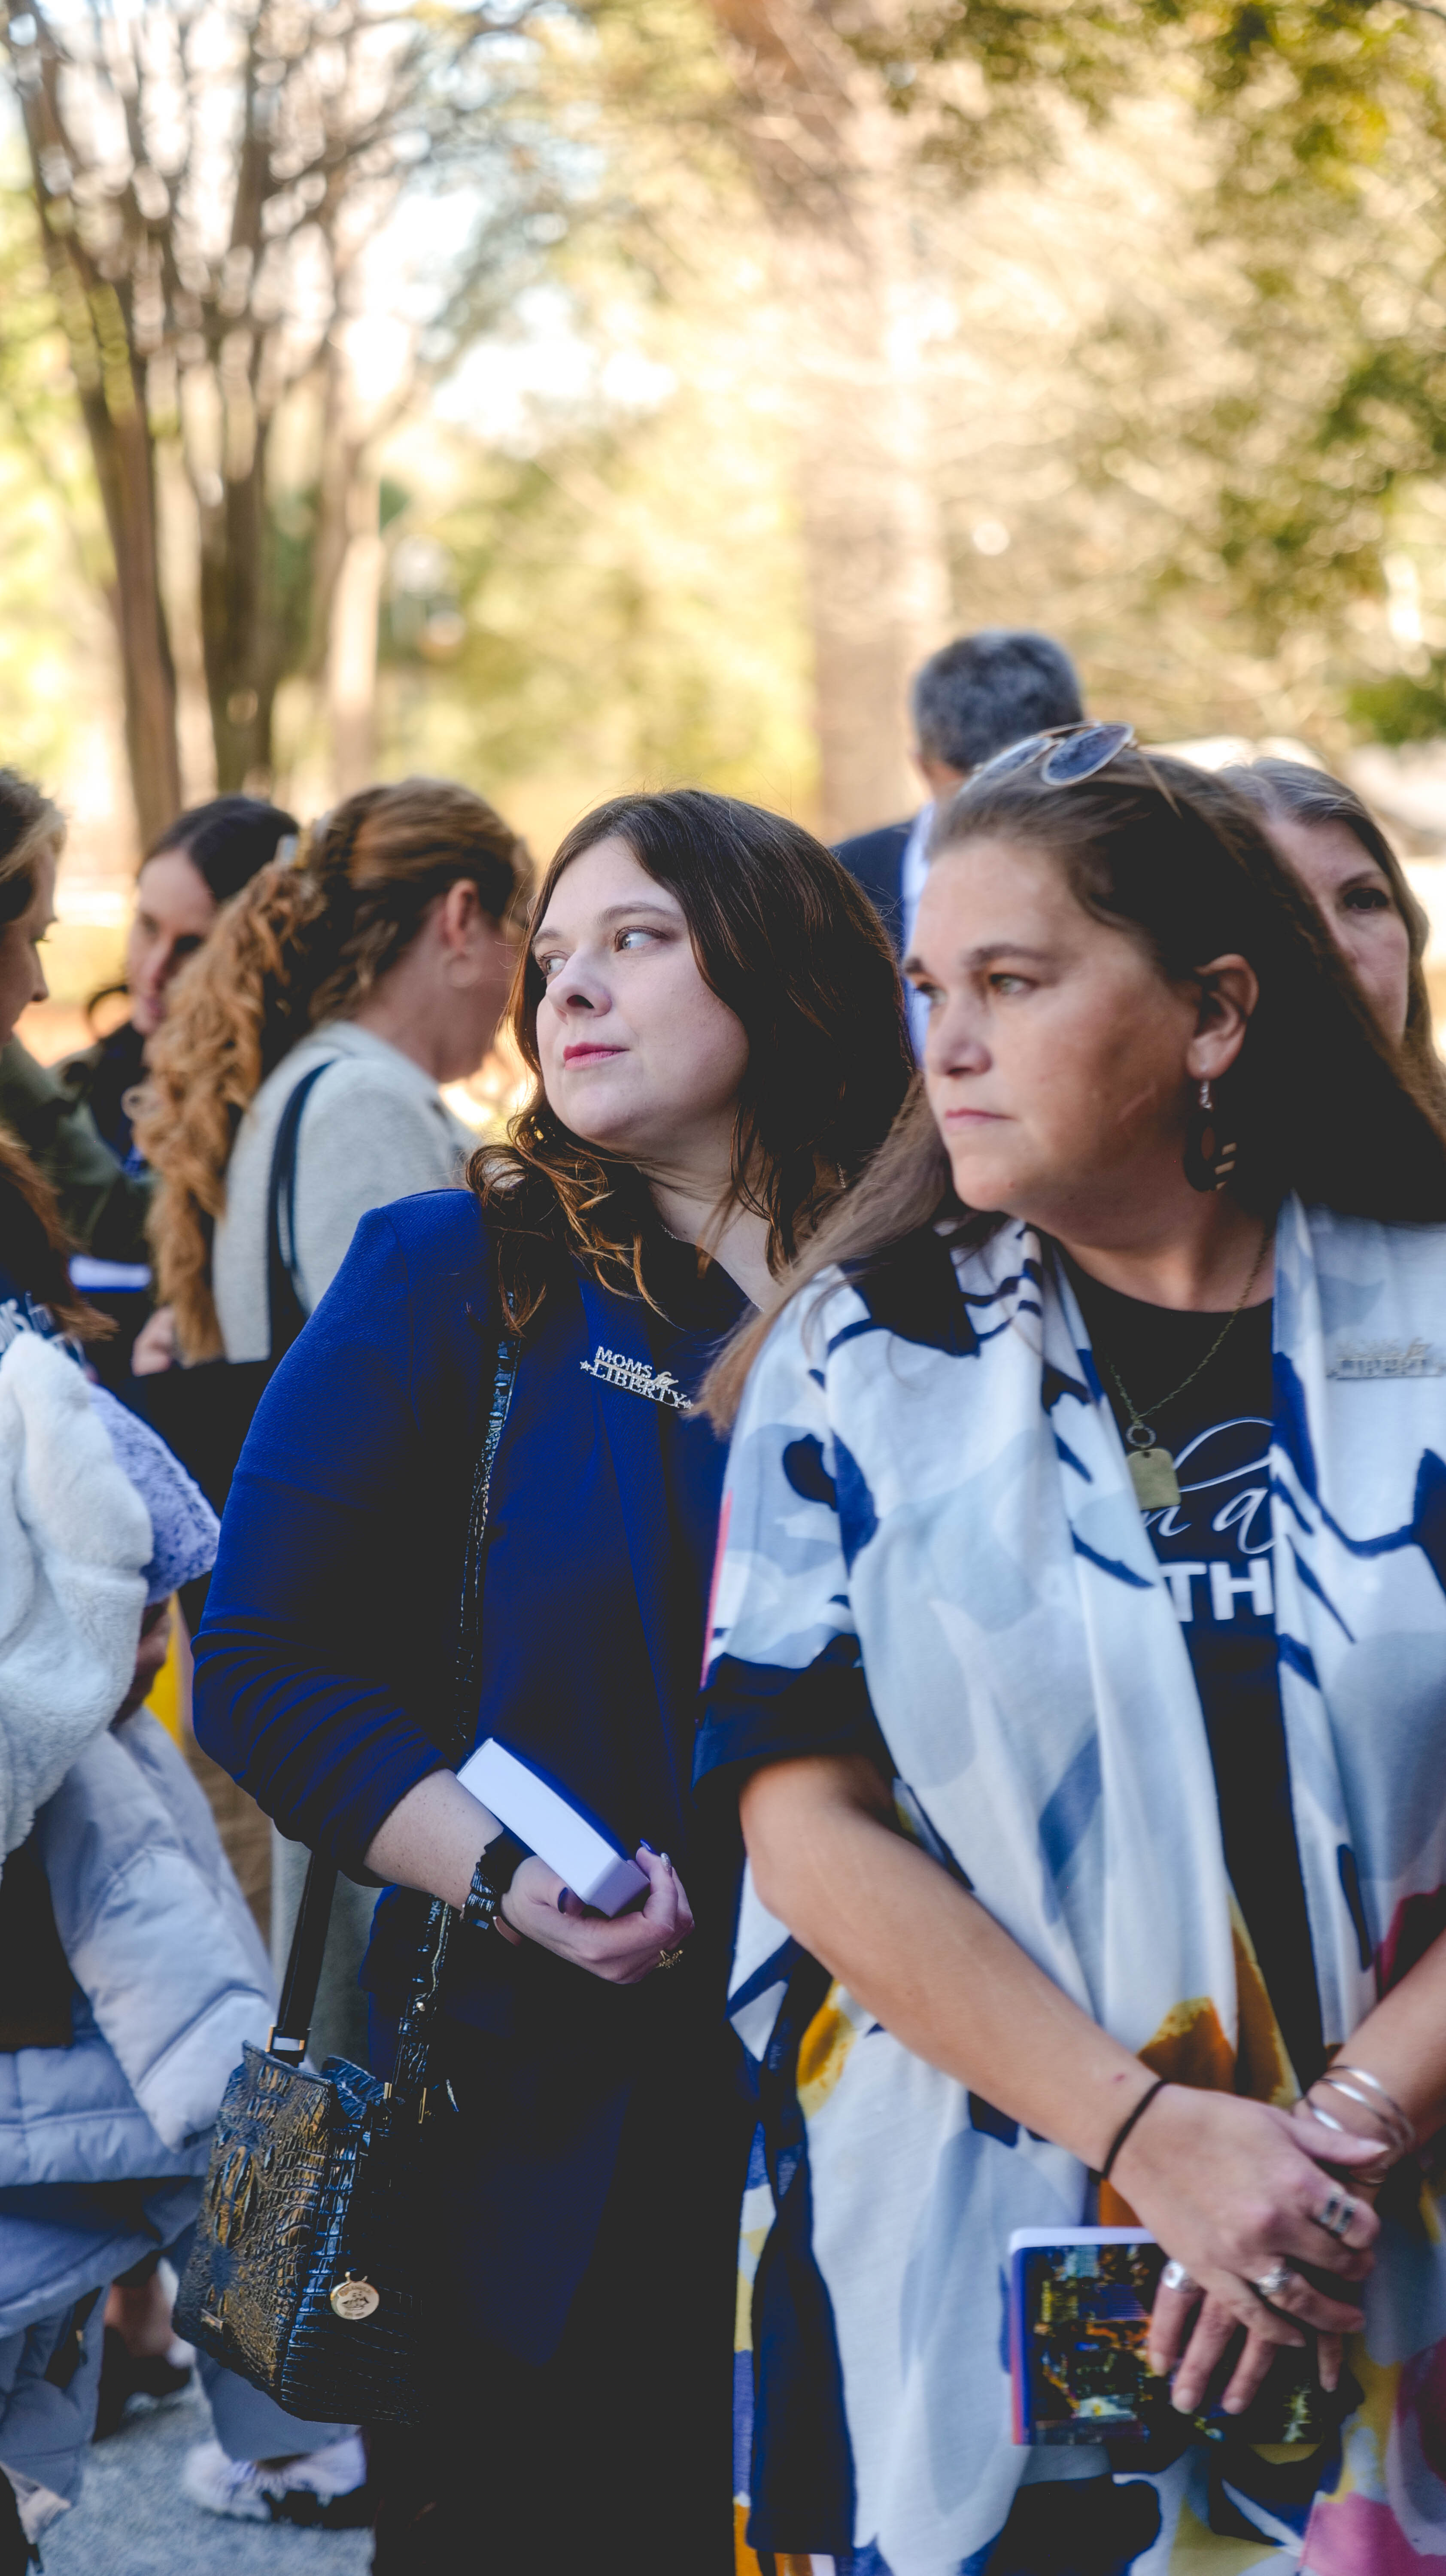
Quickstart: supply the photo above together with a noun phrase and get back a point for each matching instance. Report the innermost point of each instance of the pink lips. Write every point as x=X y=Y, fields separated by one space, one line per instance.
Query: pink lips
x=580 y=1055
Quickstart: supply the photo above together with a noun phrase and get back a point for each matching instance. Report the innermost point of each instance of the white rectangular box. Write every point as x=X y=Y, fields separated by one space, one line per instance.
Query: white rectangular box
x=585 y=1858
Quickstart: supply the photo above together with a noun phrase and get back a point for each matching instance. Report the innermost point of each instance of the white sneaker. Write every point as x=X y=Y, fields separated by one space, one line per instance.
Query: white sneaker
x=325 y=2489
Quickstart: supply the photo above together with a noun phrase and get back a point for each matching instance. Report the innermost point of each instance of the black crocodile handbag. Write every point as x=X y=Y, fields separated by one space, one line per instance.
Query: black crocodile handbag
x=302 y=2277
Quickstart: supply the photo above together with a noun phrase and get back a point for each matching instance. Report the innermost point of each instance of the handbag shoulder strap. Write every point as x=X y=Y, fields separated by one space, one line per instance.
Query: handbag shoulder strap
x=308 y=1941
x=303 y=1967
x=464 y=1696
x=285 y=1311
x=410 y=2071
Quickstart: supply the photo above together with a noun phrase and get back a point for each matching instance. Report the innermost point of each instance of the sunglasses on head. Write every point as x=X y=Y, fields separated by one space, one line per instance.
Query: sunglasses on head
x=1064 y=755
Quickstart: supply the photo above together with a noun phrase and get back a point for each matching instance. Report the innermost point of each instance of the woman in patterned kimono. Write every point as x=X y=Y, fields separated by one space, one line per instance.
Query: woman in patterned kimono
x=1079 y=1645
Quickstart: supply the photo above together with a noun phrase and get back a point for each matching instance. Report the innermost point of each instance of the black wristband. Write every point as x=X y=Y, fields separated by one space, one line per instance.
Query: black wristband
x=1128 y=2122
x=483 y=1900
x=503 y=1857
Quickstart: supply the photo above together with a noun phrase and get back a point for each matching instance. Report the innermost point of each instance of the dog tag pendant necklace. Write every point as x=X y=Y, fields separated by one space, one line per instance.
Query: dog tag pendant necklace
x=1152 y=1468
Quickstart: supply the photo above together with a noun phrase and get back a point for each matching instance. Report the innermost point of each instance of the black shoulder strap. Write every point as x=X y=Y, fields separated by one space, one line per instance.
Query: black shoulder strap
x=308 y=1941
x=286 y=1311
x=303 y=1968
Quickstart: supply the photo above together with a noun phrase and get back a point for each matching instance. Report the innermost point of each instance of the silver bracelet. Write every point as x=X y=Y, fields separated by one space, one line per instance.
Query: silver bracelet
x=1400 y=2136
x=1393 y=2107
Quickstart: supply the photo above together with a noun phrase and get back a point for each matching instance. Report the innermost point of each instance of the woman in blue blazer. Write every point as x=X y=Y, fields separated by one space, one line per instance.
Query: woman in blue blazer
x=713 y=1025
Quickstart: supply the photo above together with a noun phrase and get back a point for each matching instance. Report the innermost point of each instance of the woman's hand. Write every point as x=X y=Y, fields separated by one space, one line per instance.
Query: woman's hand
x=1233 y=2190
x=622 y=1950
x=154 y=1349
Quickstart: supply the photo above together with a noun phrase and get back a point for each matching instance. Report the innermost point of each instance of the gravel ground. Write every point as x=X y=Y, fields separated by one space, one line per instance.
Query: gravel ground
x=132 y=2519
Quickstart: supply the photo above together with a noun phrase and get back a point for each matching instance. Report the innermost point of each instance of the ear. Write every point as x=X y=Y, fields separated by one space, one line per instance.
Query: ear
x=938 y=777
x=1229 y=991
x=458 y=916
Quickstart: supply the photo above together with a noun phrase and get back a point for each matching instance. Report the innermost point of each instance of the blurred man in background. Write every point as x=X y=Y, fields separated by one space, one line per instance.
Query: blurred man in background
x=971 y=699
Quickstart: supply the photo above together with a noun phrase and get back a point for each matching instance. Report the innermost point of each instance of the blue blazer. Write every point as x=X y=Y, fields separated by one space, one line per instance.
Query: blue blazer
x=876 y=861
x=325 y=1663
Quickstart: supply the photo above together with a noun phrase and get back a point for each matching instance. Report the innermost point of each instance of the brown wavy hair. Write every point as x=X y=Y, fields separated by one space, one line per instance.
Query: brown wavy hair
x=785 y=938
x=304 y=942
x=1174 y=857
x=1291 y=791
x=33 y=1241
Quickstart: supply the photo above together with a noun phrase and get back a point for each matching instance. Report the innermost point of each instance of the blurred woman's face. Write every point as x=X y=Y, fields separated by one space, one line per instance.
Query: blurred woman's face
x=174 y=911
x=638 y=1053
x=22 y=977
x=1059 y=1064
x=1355 y=901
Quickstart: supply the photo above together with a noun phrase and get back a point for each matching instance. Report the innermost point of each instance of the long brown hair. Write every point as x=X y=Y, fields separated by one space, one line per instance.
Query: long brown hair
x=302 y=943
x=784 y=937
x=1173 y=857
x=33 y=1242
x=1291 y=791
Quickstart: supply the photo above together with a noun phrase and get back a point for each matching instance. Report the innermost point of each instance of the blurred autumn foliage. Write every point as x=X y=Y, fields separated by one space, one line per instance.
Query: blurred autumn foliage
x=634 y=390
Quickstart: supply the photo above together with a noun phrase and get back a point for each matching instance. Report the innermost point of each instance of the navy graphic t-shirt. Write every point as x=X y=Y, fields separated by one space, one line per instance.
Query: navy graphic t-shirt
x=1214 y=1547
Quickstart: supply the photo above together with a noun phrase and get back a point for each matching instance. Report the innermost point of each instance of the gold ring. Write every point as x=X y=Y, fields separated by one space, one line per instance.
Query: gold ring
x=669 y=1958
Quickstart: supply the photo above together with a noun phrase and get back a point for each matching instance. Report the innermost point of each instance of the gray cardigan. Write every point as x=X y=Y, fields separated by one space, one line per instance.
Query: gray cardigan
x=375 y=1128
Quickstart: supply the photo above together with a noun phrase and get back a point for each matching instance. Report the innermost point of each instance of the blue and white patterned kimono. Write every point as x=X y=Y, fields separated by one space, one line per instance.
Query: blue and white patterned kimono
x=930 y=1538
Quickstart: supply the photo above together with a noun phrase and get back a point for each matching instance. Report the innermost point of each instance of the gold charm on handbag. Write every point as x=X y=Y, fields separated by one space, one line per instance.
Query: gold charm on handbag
x=355 y=2300
x=1152 y=1473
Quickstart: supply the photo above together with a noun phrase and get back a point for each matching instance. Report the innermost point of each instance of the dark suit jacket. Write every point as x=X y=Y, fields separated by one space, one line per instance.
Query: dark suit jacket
x=876 y=859
x=324 y=1685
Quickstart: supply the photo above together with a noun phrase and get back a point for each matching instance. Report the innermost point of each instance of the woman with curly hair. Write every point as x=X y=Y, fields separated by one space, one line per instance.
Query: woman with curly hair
x=298 y=1071
x=378 y=965
x=714 y=1028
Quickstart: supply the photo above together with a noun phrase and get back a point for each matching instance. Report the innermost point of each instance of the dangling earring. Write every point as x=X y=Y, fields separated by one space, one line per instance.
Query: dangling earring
x=1208 y=1162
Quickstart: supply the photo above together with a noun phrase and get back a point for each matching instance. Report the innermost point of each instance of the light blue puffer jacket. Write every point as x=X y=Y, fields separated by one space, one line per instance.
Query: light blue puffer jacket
x=174 y=1978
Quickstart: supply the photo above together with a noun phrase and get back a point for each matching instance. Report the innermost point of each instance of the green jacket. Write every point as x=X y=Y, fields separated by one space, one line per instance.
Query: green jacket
x=102 y=1206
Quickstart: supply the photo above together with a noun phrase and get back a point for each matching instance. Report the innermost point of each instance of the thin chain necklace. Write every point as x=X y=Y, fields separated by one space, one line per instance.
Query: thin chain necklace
x=1152 y=1468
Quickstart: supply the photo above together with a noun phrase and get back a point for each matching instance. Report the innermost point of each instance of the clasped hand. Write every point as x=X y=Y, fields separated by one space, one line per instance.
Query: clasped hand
x=621 y=1949
x=1234 y=2190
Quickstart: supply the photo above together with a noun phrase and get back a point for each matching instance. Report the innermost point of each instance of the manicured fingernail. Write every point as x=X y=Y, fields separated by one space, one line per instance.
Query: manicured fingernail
x=645 y=1845
x=1183 y=2404
x=663 y=1857
x=563 y=1894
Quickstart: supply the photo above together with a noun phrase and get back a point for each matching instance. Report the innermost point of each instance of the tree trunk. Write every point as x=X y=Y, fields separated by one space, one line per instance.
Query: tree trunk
x=181 y=591
x=111 y=385
x=121 y=446
x=833 y=163
x=235 y=564
x=873 y=544
x=351 y=670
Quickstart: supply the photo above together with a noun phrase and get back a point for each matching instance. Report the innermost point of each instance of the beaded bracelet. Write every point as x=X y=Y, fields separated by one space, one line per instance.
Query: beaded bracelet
x=498 y=1863
x=504 y=1856
x=484 y=1901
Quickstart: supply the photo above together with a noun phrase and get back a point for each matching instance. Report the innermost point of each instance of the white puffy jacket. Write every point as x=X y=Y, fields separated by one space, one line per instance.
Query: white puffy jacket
x=74 y=1539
